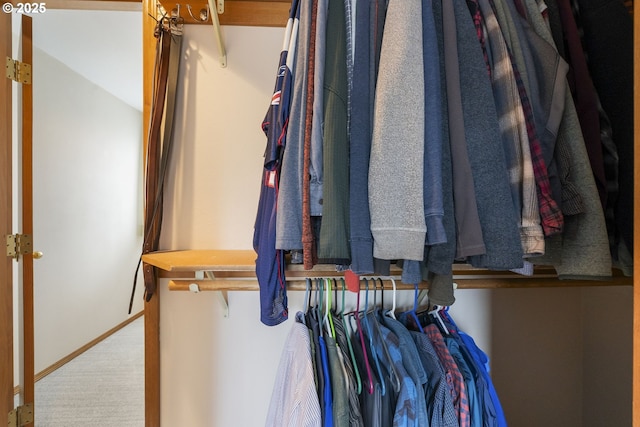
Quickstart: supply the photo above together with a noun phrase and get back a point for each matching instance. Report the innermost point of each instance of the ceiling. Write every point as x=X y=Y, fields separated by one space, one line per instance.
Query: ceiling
x=103 y=46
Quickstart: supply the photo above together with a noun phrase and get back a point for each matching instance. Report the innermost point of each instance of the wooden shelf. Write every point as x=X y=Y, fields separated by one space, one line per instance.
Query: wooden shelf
x=204 y=260
x=234 y=270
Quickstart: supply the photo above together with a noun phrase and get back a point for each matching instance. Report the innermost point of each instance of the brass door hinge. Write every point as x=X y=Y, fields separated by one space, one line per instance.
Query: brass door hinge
x=19 y=244
x=18 y=71
x=21 y=416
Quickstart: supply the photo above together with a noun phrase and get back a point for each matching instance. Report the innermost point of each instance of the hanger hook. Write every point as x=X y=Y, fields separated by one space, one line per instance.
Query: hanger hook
x=381 y=292
x=204 y=13
x=366 y=294
x=175 y=12
x=392 y=313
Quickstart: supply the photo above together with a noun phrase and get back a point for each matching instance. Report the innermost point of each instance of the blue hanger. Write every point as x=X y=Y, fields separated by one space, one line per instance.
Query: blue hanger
x=413 y=313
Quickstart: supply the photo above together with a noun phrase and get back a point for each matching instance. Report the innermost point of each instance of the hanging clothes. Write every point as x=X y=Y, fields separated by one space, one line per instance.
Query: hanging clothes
x=270 y=262
x=411 y=375
x=428 y=133
x=333 y=245
x=294 y=401
x=289 y=218
x=396 y=199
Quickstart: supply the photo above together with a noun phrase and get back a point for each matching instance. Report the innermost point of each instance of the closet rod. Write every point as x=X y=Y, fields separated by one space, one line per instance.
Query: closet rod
x=299 y=285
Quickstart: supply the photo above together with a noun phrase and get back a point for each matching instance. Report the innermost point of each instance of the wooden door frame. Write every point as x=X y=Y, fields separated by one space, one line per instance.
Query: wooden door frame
x=636 y=217
x=7 y=379
x=152 y=336
x=6 y=266
x=28 y=380
x=152 y=307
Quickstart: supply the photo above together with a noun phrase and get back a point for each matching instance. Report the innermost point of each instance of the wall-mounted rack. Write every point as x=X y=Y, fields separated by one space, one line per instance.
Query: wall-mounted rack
x=228 y=12
x=261 y=13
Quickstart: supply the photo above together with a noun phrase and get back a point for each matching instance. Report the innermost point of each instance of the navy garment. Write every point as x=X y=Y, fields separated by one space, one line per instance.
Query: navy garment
x=314 y=330
x=270 y=262
x=360 y=145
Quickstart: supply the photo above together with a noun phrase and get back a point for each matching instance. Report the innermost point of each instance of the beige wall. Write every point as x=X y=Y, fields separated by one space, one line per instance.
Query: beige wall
x=562 y=357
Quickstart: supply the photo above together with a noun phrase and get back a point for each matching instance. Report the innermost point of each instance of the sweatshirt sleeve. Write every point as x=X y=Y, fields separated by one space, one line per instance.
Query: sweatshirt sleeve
x=397 y=148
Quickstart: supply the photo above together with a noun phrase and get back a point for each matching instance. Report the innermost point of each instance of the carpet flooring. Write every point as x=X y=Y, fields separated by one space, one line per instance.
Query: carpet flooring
x=103 y=387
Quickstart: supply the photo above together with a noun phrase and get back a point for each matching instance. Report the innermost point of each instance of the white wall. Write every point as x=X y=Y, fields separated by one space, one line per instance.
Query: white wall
x=87 y=197
x=87 y=168
x=218 y=371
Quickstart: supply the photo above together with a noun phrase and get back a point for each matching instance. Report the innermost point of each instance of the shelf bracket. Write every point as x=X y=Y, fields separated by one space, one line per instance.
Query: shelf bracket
x=216 y=28
x=222 y=295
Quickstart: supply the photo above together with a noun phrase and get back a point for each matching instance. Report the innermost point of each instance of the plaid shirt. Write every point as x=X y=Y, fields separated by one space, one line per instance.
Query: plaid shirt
x=439 y=400
x=537 y=205
x=515 y=136
x=455 y=380
x=550 y=213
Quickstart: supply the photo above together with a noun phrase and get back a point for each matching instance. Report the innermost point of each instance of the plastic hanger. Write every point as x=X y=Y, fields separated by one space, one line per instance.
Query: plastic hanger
x=435 y=315
x=392 y=313
x=367 y=325
x=364 y=348
x=394 y=375
x=307 y=294
x=327 y=315
x=318 y=307
x=347 y=329
x=413 y=313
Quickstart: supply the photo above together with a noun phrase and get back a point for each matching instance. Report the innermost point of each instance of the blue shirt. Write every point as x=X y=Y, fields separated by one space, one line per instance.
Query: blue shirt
x=409 y=410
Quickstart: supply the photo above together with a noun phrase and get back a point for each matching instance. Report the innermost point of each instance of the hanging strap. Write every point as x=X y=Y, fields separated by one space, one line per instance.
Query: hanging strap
x=168 y=51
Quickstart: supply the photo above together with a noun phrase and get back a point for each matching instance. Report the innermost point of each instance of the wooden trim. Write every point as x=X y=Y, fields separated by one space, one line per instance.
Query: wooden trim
x=100 y=5
x=6 y=263
x=151 y=308
x=68 y=358
x=255 y=13
x=636 y=223
x=152 y=361
x=244 y=12
x=27 y=216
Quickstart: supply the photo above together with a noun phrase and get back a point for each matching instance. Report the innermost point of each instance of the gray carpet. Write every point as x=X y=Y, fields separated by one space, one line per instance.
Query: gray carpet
x=103 y=387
